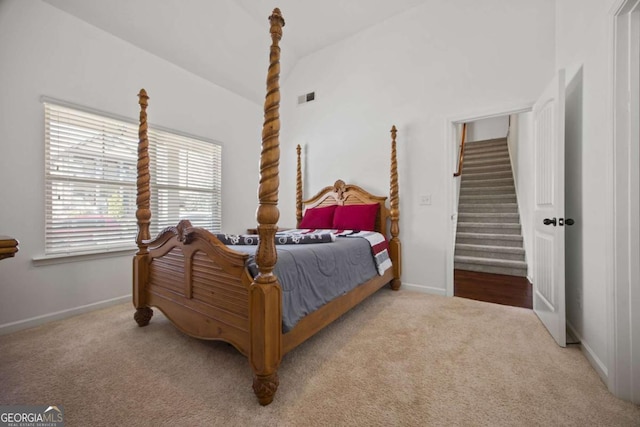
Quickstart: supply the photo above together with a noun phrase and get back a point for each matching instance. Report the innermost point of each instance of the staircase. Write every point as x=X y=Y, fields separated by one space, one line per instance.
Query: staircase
x=488 y=237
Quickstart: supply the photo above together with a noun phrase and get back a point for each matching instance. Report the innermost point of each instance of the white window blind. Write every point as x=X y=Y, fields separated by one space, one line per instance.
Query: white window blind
x=90 y=188
x=185 y=181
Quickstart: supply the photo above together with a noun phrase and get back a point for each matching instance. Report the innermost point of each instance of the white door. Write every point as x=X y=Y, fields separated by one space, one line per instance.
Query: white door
x=548 y=278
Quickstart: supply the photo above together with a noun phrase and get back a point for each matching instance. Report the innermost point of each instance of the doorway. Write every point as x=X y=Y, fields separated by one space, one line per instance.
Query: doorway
x=483 y=283
x=489 y=256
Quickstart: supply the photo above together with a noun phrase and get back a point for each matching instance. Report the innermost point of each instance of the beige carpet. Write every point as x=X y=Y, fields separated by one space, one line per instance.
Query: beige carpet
x=400 y=358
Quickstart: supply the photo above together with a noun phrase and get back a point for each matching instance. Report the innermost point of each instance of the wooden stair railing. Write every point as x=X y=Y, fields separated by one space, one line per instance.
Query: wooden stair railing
x=461 y=157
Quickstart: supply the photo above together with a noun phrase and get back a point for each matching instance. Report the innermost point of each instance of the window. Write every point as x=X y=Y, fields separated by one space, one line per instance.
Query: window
x=91 y=171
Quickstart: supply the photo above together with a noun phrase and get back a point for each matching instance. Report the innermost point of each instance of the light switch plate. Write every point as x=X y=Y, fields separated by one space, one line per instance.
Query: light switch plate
x=425 y=200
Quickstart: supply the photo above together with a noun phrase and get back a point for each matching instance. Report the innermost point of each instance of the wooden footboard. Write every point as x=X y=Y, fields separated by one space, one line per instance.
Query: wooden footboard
x=189 y=268
x=199 y=284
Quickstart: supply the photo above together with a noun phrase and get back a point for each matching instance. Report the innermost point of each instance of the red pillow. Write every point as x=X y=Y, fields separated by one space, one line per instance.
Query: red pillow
x=356 y=217
x=318 y=217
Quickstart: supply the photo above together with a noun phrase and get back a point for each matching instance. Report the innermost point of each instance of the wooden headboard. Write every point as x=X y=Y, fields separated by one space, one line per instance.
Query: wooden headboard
x=348 y=194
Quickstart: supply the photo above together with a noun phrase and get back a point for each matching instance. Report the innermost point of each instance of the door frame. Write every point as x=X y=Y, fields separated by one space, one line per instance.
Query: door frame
x=623 y=377
x=451 y=150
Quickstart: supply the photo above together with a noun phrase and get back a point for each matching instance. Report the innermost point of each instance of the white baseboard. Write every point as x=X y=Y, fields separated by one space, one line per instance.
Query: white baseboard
x=594 y=360
x=423 y=289
x=8 y=328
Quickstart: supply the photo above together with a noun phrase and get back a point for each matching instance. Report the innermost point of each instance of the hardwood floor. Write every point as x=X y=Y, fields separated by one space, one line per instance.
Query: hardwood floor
x=496 y=288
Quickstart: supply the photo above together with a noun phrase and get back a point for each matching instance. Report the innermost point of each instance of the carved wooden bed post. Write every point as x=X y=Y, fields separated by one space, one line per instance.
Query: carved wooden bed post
x=394 y=244
x=143 y=215
x=298 y=189
x=265 y=300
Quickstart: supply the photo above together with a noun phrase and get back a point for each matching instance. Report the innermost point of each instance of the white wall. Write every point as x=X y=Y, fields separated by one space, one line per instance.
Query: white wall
x=521 y=151
x=44 y=51
x=491 y=128
x=583 y=38
x=415 y=70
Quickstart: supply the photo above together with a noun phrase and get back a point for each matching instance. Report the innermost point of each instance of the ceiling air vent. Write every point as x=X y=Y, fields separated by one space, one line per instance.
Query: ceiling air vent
x=308 y=97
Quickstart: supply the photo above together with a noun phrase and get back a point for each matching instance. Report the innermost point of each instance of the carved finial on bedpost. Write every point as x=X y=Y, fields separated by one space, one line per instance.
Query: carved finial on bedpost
x=277 y=22
x=265 y=303
x=339 y=187
x=143 y=212
x=394 y=243
x=298 y=188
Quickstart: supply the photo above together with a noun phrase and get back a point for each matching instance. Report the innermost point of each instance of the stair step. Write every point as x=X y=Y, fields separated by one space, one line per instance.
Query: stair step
x=487 y=208
x=473 y=169
x=494 y=160
x=466 y=190
x=484 y=153
x=488 y=228
x=500 y=262
x=485 y=143
x=489 y=248
x=478 y=183
x=481 y=151
x=495 y=252
x=488 y=199
x=498 y=266
x=486 y=175
x=493 y=217
x=509 y=240
x=483 y=268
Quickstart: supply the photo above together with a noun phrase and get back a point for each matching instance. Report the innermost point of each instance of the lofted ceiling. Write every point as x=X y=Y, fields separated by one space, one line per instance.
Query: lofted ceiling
x=227 y=41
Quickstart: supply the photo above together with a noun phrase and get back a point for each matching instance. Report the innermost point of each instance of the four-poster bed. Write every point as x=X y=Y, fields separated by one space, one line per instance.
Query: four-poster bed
x=206 y=288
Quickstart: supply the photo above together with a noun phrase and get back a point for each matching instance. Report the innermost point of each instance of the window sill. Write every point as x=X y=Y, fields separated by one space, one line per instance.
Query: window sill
x=66 y=258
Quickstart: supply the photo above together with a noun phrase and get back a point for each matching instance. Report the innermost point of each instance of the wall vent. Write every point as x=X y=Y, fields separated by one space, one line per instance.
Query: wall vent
x=307 y=97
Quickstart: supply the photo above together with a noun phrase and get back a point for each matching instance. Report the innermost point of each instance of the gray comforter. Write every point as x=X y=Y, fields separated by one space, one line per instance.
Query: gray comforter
x=312 y=275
